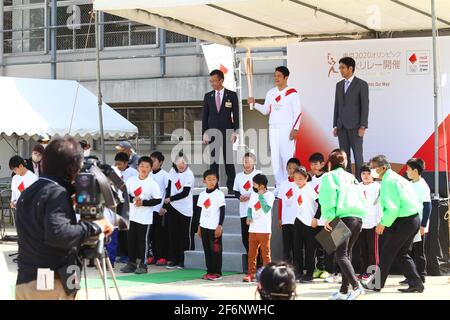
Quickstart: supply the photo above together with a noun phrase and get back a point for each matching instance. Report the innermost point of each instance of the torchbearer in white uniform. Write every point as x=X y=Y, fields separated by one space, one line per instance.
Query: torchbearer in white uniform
x=283 y=106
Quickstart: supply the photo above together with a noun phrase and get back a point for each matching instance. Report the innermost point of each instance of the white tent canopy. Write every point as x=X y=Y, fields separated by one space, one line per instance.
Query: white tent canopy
x=55 y=107
x=262 y=23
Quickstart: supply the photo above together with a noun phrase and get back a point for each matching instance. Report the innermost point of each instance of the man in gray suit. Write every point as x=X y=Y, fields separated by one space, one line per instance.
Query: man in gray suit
x=351 y=113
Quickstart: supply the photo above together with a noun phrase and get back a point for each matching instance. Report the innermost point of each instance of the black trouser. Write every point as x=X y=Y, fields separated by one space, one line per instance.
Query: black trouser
x=304 y=240
x=228 y=158
x=138 y=236
x=179 y=235
x=349 y=139
x=288 y=231
x=325 y=261
x=368 y=245
x=344 y=254
x=397 y=241
x=160 y=236
x=122 y=250
x=244 y=233
x=213 y=251
x=418 y=255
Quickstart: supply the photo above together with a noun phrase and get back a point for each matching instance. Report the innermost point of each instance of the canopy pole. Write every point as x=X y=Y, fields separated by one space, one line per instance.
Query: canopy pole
x=436 y=102
x=238 y=80
x=54 y=10
x=99 y=89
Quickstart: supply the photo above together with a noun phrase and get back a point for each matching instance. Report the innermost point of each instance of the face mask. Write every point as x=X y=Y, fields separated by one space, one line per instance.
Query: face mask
x=374 y=173
x=87 y=153
x=36 y=158
x=255 y=190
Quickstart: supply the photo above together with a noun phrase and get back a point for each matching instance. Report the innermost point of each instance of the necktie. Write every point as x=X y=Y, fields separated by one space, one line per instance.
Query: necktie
x=218 y=102
x=347 y=84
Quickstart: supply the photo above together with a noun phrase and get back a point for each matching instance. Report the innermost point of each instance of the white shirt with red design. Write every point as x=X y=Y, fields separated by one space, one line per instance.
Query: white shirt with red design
x=243 y=183
x=315 y=184
x=20 y=183
x=178 y=182
x=261 y=221
x=374 y=213
x=210 y=204
x=146 y=189
x=306 y=204
x=283 y=107
x=288 y=193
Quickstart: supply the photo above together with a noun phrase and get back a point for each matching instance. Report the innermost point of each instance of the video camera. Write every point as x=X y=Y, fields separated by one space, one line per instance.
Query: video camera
x=98 y=195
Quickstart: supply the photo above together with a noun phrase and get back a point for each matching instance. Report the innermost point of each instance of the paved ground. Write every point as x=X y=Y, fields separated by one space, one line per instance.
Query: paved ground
x=229 y=288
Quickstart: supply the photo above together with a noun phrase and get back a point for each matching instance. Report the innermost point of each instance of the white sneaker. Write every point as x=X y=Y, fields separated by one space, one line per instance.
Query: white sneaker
x=356 y=293
x=334 y=278
x=339 y=296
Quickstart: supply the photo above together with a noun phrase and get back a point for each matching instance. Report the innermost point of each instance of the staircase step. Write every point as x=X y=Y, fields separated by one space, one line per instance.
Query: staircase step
x=230 y=243
x=231 y=261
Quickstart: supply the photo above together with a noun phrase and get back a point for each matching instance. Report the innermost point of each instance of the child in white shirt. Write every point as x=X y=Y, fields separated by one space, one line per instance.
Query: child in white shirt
x=259 y=218
x=144 y=194
x=22 y=179
x=368 y=239
x=243 y=188
x=287 y=211
x=212 y=204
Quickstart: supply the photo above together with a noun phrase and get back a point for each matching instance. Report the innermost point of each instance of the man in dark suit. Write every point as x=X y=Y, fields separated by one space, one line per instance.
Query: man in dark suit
x=220 y=124
x=351 y=113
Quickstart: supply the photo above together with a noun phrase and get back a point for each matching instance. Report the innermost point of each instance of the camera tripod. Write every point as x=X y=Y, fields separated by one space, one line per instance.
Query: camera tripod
x=101 y=260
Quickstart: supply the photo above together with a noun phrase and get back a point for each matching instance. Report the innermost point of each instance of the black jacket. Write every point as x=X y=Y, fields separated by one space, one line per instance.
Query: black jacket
x=29 y=166
x=227 y=118
x=48 y=234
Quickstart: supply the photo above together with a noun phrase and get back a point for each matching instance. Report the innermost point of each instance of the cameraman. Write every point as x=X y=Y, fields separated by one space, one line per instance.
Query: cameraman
x=49 y=236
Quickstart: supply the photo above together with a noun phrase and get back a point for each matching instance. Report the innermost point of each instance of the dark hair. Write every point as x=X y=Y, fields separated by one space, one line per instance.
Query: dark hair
x=261 y=179
x=122 y=156
x=39 y=148
x=217 y=73
x=250 y=155
x=62 y=158
x=284 y=70
x=337 y=159
x=365 y=168
x=349 y=62
x=416 y=164
x=210 y=172
x=277 y=282
x=381 y=161
x=15 y=162
x=302 y=171
x=294 y=161
x=145 y=159
x=157 y=155
x=316 y=157
x=179 y=155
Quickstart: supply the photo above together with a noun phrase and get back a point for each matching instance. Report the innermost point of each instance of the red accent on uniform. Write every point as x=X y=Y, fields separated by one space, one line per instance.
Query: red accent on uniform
x=247 y=185
x=137 y=192
x=365 y=194
x=178 y=184
x=292 y=90
x=300 y=200
x=290 y=179
x=207 y=203
x=289 y=194
x=298 y=118
x=316 y=189
x=21 y=187
x=277 y=99
x=257 y=206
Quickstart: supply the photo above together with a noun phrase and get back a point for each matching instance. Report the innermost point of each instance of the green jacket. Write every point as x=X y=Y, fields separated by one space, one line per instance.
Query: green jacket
x=340 y=196
x=397 y=198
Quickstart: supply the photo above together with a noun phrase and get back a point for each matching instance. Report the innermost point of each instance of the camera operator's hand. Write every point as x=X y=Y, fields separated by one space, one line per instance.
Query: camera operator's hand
x=162 y=211
x=105 y=225
x=167 y=200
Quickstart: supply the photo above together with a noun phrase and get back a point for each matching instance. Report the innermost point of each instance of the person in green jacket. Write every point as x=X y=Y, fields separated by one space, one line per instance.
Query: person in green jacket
x=340 y=197
x=399 y=225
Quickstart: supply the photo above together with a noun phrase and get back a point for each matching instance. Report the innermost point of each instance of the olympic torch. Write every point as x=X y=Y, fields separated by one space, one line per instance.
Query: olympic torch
x=249 y=72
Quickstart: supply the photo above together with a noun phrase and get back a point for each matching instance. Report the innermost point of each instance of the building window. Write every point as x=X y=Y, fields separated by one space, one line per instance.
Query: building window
x=163 y=124
x=172 y=37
